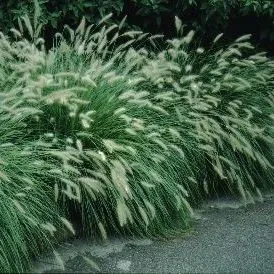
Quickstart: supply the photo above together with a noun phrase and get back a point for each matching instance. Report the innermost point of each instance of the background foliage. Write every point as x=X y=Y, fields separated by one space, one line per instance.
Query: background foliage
x=210 y=17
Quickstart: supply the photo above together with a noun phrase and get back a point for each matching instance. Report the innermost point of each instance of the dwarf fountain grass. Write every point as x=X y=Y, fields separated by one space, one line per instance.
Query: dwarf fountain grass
x=133 y=136
x=227 y=106
x=84 y=97
x=29 y=216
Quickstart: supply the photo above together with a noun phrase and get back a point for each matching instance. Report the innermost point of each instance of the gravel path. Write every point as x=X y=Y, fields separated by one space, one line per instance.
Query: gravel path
x=226 y=238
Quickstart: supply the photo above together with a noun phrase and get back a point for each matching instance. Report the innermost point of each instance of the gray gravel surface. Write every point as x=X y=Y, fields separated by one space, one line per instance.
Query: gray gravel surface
x=226 y=238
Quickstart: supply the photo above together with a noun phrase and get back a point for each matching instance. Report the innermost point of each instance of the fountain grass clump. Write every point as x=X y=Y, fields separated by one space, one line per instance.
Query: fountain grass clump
x=123 y=138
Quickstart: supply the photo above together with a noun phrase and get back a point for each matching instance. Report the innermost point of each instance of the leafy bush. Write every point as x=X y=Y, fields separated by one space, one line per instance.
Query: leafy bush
x=207 y=17
x=57 y=13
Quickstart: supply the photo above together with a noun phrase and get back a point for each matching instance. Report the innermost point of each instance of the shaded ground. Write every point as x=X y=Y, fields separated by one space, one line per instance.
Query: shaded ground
x=225 y=239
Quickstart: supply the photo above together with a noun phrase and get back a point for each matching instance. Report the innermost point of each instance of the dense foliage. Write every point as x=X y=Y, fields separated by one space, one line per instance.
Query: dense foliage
x=207 y=17
x=107 y=131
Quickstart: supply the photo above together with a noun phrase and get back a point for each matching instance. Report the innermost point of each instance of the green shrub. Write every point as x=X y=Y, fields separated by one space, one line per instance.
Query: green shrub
x=55 y=14
x=207 y=17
